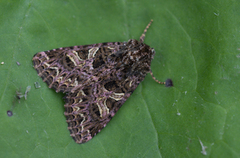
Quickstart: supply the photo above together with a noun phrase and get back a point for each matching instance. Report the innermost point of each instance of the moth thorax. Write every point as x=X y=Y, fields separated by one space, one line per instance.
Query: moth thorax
x=133 y=42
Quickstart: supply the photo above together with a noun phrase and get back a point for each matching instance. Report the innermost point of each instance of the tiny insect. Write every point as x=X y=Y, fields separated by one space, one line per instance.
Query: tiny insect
x=97 y=79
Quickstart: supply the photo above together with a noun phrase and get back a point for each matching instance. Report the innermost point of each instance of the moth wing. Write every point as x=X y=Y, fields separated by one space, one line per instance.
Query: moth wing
x=64 y=68
x=96 y=86
x=89 y=109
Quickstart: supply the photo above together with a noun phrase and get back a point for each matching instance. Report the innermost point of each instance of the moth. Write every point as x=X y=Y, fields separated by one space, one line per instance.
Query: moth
x=97 y=79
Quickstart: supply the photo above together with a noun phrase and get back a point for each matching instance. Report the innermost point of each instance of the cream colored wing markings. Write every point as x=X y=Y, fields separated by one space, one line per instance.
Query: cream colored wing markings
x=109 y=47
x=59 y=79
x=130 y=84
x=81 y=93
x=117 y=96
x=101 y=109
x=75 y=58
x=56 y=68
x=101 y=102
x=53 y=68
x=72 y=59
x=76 y=54
x=81 y=126
x=46 y=64
x=75 y=82
x=92 y=52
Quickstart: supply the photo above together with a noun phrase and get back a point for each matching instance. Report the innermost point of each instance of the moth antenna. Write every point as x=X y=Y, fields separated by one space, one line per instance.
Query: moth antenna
x=144 y=32
x=167 y=83
x=154 y=78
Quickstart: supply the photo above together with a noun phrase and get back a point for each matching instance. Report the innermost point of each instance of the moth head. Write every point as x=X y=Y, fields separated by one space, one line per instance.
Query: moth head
x=138 y=56
x=139 y=52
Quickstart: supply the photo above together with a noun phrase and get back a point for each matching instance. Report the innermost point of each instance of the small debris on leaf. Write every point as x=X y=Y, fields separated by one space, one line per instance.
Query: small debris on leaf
x=37 y=85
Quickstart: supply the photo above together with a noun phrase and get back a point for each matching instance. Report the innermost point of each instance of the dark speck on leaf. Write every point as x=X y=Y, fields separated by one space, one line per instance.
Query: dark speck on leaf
x=9 y=113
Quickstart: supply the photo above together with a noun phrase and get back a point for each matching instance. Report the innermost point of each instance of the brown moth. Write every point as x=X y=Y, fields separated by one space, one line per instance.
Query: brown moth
x=97 y=80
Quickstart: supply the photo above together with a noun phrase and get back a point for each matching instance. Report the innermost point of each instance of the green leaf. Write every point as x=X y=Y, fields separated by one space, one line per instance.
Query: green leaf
x=197 y=46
